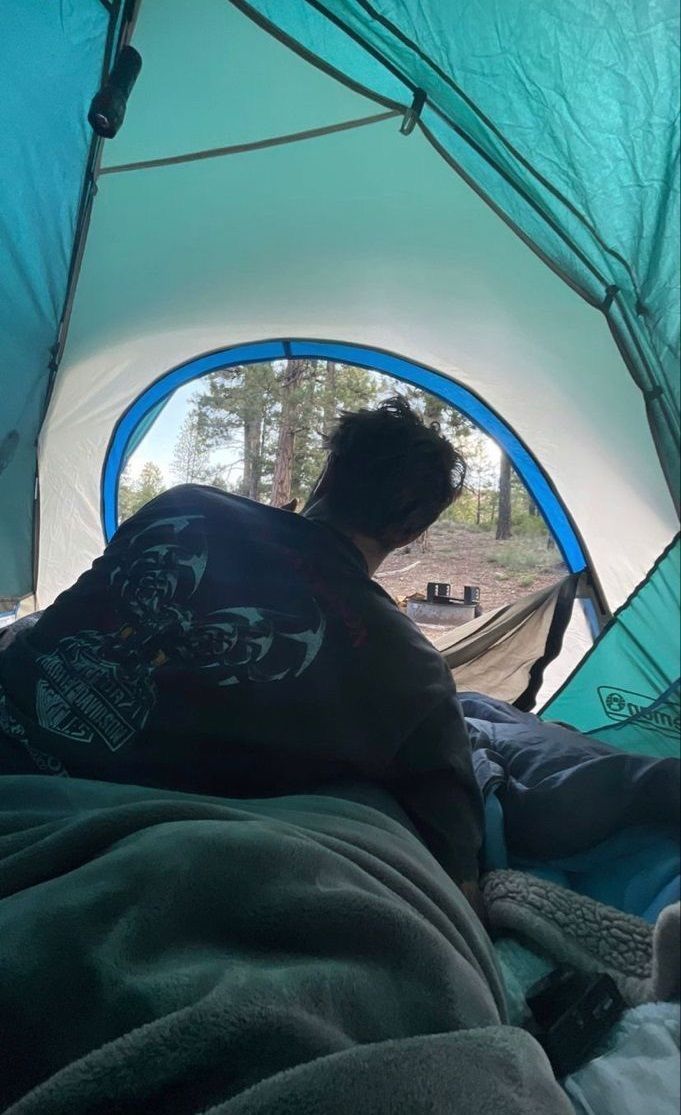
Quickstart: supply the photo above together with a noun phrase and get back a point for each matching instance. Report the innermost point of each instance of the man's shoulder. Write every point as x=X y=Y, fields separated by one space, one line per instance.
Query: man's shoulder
x=400 y=636
x=208 y=493
x=209 y=499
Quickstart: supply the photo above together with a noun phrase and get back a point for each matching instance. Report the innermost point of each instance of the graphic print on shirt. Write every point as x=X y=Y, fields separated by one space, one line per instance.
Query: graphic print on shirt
x=15 y=731
x=99 y=685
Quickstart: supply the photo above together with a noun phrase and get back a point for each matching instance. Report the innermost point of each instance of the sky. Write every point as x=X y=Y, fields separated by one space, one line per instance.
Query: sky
x=159 y=442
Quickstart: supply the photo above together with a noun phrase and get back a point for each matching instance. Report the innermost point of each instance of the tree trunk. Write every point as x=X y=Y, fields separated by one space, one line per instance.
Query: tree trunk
x=504 y=514
x=252 y=457
x=329 y=405
x=531 y=505
x=432 y=414
x=283 y=467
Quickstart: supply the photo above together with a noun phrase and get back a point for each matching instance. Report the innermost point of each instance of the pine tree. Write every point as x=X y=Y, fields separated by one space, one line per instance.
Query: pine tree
x=240 y=403
x=133 y=494
x=279 y=414
x=127 y=504
x=325 y=390
x=254 y=403
x=191 y=463
x=149 y=484
x=293 y=375
x=330 y=398
x=308 y=399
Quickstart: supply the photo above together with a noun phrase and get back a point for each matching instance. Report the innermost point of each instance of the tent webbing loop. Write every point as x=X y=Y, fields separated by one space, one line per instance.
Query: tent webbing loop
x=413 y=114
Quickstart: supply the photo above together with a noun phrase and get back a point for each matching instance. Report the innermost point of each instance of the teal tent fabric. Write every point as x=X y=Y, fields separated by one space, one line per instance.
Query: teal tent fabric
x=51 y=65
x=565 y=118
x=382 y=246
x=626 y=691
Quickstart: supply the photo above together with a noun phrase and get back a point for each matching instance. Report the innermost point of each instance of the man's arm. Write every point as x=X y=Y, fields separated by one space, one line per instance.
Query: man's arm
x=432 y=777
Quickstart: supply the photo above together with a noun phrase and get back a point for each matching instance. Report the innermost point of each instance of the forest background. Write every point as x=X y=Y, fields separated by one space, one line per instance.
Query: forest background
x=269 y=421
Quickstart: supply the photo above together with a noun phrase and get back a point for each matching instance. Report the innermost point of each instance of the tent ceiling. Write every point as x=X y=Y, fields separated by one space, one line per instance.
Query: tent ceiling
x=566 y=116
x=212 y=78
x=363 y=236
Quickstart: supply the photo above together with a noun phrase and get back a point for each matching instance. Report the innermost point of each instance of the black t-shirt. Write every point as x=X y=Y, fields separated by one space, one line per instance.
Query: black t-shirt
x=226 y=647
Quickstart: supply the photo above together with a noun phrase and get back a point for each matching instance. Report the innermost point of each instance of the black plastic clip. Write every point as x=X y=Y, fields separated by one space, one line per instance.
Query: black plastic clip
x=610 y=292
x=412 y=114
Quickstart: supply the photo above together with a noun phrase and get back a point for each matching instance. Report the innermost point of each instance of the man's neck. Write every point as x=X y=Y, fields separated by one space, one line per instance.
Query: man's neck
x=373 y=553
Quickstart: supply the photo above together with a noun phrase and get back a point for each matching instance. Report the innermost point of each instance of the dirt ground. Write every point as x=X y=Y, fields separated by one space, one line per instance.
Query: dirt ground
x=459 y=555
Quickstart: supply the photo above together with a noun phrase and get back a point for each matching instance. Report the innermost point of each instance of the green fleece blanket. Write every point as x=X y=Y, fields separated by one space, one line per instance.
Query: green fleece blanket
x=162 y=952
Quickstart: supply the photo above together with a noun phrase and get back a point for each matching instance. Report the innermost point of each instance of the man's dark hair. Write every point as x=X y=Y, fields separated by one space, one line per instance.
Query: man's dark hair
x=391 y=475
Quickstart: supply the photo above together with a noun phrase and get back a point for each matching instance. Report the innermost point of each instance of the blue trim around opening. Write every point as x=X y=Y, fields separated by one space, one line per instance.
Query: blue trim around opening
x=531 y=473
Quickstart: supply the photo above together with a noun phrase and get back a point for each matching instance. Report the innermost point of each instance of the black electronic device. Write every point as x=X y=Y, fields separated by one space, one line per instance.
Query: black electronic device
x=471 y=594
x=571 y=1014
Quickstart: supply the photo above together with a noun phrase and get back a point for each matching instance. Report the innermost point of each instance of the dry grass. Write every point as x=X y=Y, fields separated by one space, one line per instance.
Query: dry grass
x=463 y=555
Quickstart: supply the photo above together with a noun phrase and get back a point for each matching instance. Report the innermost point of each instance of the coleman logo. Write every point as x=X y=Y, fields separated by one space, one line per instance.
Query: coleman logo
x=621 y=704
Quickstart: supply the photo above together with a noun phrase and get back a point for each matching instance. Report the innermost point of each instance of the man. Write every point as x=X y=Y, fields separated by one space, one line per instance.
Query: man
x=220 y=646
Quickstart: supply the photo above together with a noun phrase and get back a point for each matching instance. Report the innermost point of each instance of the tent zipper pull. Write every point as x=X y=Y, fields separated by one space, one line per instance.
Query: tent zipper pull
x=413 y=113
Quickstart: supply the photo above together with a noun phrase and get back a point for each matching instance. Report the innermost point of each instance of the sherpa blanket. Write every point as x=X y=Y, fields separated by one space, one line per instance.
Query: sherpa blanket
x=162 y=952
x=573 y=929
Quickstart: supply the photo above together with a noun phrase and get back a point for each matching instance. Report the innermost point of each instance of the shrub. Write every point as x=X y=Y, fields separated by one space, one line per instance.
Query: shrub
x=522 y=555
x=528 y=525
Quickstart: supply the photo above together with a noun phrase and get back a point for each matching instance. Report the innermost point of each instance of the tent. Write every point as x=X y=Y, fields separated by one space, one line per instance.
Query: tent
x=479 y=198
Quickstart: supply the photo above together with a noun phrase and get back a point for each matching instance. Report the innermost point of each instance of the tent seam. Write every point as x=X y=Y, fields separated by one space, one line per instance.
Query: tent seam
x=646 y=367
x=298 y=48
x=370 y=10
